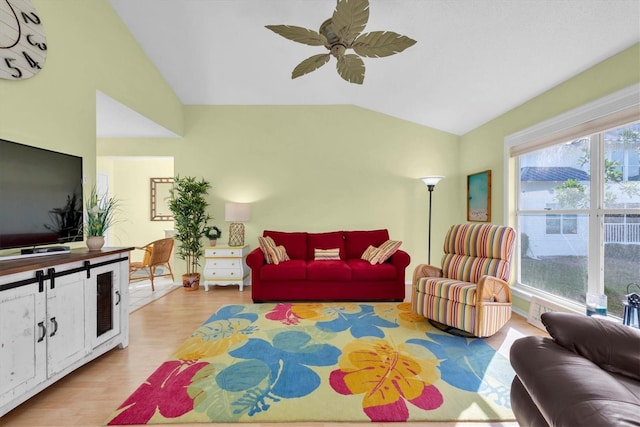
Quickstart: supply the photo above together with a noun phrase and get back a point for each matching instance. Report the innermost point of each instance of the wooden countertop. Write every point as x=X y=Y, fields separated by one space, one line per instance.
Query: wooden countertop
x=19 y=265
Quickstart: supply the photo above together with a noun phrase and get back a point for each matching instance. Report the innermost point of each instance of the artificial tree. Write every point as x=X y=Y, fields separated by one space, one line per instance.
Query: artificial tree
x=189 y=208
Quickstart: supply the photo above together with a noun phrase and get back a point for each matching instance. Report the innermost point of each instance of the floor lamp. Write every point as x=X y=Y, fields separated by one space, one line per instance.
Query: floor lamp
x=430 y=182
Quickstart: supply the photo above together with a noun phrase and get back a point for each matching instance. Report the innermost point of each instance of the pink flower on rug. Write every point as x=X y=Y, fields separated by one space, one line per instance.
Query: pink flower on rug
x=291 y=314
x=164 y=391
x=388 y=377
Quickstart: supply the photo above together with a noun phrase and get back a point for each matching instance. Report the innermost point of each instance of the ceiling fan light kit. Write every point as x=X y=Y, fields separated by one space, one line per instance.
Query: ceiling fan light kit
x=341 y=32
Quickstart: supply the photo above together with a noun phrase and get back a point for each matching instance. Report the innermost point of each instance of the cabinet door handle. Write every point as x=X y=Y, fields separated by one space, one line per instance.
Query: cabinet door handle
x=119 y=297
x=43 y=331
x=55 y=326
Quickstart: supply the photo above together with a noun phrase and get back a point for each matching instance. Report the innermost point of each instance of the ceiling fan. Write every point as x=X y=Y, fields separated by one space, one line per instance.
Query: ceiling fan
x=341 y=32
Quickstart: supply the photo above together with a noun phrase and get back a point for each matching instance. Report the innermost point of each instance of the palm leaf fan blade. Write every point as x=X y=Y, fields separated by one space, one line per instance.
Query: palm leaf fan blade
x=349 y=19
x=377 y=44
x=351 y=68
x=310 y=64
x=298 y=34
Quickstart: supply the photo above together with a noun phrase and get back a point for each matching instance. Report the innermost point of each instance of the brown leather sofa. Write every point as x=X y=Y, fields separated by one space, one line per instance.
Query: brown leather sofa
x=586 y=374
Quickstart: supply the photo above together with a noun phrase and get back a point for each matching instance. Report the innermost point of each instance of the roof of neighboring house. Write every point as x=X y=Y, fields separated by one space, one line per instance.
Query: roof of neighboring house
x=552 y=173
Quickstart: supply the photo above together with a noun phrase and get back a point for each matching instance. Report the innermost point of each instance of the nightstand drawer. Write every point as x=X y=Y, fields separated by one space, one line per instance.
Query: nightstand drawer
x=223 y=263
x=226 y=252
x=223 y=273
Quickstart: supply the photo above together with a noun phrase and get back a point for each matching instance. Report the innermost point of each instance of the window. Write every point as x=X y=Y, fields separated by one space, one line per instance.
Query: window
x=562 y=224
x=577 y=206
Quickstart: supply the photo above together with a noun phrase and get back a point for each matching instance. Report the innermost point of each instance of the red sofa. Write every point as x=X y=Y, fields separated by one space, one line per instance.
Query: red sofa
x=349 y=279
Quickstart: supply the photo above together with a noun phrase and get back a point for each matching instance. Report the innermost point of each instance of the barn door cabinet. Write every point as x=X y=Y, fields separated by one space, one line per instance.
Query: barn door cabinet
x=57 y=313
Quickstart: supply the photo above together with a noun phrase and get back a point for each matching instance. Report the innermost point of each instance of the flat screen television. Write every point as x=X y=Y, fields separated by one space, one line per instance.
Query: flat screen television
x=40 y=197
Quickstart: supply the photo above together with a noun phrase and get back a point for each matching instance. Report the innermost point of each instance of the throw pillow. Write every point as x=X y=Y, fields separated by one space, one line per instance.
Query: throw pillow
x=278 y=254
x=369 y=253
x=267 y=245
x=326 y=254
x=385 y=251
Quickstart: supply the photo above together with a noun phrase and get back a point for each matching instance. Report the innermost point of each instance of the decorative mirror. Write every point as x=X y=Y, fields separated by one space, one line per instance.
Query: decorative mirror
x=160 y=195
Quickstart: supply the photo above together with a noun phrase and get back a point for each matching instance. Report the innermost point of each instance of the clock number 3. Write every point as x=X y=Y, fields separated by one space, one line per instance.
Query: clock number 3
x=23 y=47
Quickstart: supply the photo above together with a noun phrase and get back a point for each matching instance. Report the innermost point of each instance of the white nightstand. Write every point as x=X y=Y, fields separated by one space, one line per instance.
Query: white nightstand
x=226 y=265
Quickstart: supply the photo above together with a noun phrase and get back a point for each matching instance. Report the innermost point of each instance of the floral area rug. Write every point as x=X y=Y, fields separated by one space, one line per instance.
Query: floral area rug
x=331 y=362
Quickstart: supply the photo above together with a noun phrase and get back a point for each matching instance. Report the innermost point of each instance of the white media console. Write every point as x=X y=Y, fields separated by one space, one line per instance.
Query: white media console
x=57 y=313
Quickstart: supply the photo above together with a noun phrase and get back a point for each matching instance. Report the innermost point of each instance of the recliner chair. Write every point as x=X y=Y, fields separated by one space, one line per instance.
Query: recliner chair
x=470 y=291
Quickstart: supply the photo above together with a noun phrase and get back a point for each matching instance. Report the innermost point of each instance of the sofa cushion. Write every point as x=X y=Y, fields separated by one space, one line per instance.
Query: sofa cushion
x=278 y=255
x=448 y=289
x=362 y=270
x=385 y=251
x=570 y=390
x=471 y=269
x=356 y=242
x=290 y=270
x=369 y=253
x=331 y=240
x=326 y=254
x=603 y=342
x=266 y=244
x=295 y=243
x=328 y=270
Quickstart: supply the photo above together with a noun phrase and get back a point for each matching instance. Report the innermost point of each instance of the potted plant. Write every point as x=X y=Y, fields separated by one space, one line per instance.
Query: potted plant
x=100 y=217
x=189 y=208
x=213 y=233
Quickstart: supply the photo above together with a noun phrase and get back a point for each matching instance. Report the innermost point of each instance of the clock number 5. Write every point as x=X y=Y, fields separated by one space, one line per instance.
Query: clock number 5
x=18 y=72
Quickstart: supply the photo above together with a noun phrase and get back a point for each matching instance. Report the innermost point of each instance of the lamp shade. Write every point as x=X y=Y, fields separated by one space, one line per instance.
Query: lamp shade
x=431 y=180
x=237 y=212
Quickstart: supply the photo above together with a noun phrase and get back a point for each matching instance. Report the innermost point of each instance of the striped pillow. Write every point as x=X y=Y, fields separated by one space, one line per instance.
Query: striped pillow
x=267 y=245
x=369 y=253
x=326 y=254
x=385 y=251
x=278 y=255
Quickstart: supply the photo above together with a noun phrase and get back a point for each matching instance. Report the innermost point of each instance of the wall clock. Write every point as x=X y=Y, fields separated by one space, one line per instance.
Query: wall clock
x=23 y=47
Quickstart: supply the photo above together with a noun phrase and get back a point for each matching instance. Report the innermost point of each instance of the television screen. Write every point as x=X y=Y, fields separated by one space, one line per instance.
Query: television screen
x=40 y=196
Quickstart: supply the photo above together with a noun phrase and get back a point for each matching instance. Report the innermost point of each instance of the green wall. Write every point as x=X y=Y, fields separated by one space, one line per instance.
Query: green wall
x=315 y=168
x=483 y=148
x=89 y=49
x=312 y=168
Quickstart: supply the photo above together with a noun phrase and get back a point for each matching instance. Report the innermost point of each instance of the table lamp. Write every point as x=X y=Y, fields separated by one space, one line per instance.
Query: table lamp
x=236 y=213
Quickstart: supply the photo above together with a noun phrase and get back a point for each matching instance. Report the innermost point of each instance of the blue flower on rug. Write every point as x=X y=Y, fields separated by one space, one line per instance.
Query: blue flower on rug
x=230 y=312
x=472 y=365
x=365 y=323
x=274 y=371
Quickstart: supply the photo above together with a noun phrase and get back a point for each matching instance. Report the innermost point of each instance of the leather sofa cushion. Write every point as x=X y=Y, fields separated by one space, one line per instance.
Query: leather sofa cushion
x=356 y=242
x=363 y=270
x=331 y=240
x=288 y=270
x=611 y=346
x=328 y=270
x=570 y=390
x=295 y=243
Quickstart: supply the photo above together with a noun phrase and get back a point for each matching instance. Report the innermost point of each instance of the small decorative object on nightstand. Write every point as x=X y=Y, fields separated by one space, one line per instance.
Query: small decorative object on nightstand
x=236 y=213
x=226 y=265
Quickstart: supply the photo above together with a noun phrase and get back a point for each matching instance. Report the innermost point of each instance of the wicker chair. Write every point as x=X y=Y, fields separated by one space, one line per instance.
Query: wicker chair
x=156 y=254
x=471 y=291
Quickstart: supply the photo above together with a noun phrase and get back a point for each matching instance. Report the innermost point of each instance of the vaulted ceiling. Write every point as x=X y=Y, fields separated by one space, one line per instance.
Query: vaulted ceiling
x=473 y=60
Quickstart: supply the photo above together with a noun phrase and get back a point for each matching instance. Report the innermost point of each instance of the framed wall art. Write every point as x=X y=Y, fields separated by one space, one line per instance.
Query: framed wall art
x=160 y=195
x=479 y=196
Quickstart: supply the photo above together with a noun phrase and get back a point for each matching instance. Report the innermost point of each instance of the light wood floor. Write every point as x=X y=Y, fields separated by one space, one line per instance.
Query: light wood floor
x=88 y=396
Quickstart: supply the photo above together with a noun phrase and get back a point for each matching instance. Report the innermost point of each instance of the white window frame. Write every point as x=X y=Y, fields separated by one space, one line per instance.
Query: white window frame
x=608 y=112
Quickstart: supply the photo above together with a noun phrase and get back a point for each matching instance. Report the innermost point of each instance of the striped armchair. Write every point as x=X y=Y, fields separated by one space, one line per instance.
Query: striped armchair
x=471 y=291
